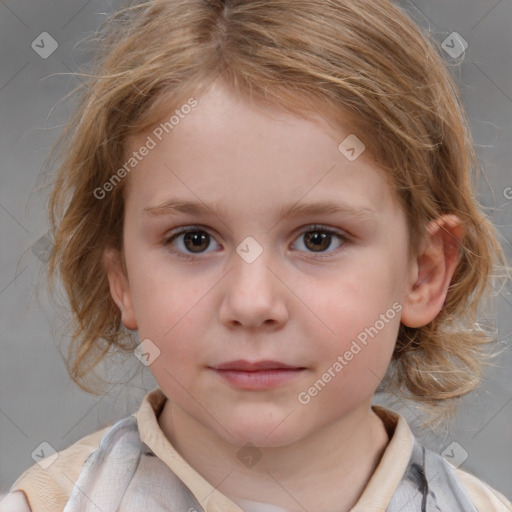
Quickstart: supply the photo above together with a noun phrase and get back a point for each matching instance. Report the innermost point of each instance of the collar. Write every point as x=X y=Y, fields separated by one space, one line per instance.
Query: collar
x=376 y=495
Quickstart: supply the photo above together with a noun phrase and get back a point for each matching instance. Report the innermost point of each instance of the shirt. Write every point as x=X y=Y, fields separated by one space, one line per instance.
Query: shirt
x=48 y=488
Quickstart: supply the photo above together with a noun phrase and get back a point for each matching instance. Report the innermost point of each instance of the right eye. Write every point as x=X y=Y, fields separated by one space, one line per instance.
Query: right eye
x=188 y=241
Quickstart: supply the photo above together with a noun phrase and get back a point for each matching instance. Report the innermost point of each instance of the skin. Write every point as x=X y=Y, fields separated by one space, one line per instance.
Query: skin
x=292 y=304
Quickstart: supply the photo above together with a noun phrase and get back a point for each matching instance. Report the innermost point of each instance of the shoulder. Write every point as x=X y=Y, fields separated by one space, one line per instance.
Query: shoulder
x=47 y=485
x=485 y=498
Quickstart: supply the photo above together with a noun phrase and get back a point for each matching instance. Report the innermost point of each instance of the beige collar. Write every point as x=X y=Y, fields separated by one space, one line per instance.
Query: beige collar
x=376 y=495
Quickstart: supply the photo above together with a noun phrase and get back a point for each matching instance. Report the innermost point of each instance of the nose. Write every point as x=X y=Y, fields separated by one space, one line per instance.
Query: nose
x=253 y=296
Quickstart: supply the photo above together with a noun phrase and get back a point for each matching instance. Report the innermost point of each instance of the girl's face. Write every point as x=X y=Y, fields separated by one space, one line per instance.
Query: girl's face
x=250 y=236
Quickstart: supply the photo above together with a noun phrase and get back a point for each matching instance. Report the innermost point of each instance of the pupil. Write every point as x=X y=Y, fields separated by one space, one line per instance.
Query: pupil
x=320 y=240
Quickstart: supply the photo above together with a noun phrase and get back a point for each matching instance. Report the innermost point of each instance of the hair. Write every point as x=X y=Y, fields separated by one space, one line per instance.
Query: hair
x=364 y=64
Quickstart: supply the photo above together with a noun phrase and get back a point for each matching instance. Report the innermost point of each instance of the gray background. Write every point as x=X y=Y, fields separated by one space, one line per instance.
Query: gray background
x=38 y=402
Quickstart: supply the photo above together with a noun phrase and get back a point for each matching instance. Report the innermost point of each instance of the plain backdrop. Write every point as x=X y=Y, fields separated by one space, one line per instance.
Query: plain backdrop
x=38 y=401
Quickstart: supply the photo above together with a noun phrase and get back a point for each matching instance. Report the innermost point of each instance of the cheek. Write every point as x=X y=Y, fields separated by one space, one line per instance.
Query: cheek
x=170 y=315
x=172 y=307
x=166 y=297
x=351 y=370
x=354 y=300
x=173 y=321
x=360 y=310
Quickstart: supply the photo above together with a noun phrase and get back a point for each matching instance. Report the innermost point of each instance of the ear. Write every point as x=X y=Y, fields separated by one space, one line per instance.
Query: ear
x=119 y=286
x=434 y=269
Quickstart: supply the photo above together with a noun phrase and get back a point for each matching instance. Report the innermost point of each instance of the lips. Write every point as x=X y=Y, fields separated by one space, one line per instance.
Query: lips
x=247 y=366
x=257 y=375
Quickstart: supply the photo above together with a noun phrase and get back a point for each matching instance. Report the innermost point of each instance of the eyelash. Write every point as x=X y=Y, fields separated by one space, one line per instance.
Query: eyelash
x=312 y=228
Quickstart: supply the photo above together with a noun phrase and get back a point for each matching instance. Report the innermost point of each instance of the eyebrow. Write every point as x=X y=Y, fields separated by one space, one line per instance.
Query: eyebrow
x=176 y=206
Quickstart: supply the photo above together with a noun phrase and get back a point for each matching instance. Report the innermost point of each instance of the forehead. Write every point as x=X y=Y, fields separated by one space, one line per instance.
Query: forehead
x=229 y=151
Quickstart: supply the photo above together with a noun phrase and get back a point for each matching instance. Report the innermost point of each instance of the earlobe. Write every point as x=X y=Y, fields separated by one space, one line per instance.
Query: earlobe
x=436 y=265
x=119 y=287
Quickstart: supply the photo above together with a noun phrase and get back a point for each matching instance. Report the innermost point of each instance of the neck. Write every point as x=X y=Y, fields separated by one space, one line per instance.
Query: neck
x=325 y=471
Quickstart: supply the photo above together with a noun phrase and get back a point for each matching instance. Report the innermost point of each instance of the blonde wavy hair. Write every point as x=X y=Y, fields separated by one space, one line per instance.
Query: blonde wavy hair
x=364 y=63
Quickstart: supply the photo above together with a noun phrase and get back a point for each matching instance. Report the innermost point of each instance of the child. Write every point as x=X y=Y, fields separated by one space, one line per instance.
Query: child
x=277 y=197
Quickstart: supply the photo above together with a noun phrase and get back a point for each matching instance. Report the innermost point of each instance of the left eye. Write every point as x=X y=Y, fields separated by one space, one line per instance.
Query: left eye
x=320 y=239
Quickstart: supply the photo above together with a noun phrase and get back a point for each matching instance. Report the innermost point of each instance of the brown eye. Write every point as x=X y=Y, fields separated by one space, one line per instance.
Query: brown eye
x=317 y=240
x=189 y=241
x=320 y=240
x=196 y=241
